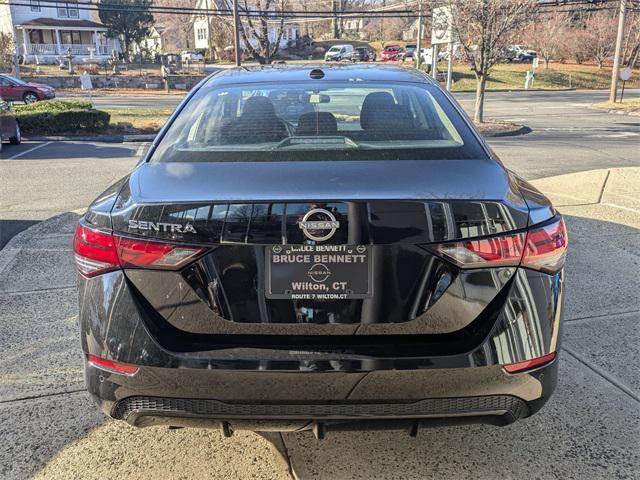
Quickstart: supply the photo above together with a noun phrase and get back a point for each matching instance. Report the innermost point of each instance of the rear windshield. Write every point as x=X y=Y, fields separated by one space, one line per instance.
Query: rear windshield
x=318 y=121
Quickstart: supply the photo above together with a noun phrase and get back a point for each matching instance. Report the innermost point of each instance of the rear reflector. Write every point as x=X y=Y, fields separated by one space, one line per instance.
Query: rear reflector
x=529 y=364
x=111 y=366
x=542 y=248
x=99 y=252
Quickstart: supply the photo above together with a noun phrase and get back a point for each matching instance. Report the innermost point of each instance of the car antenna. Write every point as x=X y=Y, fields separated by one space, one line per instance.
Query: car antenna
x=316 y=74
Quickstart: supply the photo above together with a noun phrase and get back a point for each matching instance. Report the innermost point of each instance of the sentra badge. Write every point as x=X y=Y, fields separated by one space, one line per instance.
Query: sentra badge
x=161 y=227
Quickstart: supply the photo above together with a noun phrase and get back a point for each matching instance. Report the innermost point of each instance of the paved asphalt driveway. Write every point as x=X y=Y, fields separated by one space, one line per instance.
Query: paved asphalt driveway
x=582 y=158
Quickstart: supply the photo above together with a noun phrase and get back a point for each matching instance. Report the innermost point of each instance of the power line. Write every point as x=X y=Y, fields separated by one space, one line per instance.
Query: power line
x=562 y=6
x=92 y=6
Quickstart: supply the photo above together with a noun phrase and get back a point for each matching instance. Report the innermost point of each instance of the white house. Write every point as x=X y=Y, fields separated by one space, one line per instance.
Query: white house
x=202 y=34
x=44 y=31
x=154 y=42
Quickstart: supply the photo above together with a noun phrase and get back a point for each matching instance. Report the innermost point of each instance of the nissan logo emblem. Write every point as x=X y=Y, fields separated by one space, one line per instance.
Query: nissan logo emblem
x=319 y=224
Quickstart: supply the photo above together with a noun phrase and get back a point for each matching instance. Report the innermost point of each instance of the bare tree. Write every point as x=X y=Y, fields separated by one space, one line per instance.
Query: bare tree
x=548 y=35
x=576 y=44
x=261 y=17
x=7 y=49
x=600 y=36
x=178 y=27
x=182 y=25
x=484 y=29
x=631 y=45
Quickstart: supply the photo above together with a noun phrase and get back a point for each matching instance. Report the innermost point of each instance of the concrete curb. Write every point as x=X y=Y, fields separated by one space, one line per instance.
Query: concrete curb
x=94 y=138
x=508 y=90
x=616 y=111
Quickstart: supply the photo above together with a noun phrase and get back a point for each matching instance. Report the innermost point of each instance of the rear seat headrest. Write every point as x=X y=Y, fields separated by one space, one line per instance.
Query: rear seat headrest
x=317 y=123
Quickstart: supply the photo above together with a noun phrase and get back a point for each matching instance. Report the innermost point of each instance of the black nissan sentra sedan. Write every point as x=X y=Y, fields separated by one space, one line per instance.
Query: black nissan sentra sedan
x=320 y=248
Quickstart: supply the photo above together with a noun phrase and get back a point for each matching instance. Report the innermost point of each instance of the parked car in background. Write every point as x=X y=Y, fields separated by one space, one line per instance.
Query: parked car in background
x=191 y=56
x=16 y=90
x=363 y=54
x=392 y=53
x=409 y=50
x=9 y=126
x=519 y=53
x=338 y=53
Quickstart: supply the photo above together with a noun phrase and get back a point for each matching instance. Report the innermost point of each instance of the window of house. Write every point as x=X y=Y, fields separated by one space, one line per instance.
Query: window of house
x=65 y=37
x=35 y=5
x=36 y=36
x=67 y=10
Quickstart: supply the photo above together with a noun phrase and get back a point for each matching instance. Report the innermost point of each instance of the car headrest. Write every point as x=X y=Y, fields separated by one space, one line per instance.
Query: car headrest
x=317 y=123
x=380 y=112
x=258 y=107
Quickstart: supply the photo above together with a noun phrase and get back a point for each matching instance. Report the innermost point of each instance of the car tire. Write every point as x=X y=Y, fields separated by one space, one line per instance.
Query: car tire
x=29 y=97
x=17 y=137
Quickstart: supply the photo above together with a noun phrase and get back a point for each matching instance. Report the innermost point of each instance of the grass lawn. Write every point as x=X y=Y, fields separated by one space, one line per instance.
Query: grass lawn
x=511 y=76
x=148 y=120
x=628 y=105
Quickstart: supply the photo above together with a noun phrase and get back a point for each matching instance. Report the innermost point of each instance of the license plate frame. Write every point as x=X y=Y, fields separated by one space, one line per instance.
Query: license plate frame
x=318 y=272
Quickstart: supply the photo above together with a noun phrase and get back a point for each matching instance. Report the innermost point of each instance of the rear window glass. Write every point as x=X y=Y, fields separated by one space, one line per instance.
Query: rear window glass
x=318 y=121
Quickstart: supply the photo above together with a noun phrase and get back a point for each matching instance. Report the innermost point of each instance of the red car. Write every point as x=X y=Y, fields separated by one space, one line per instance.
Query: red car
x=14 y=89
x=9 y=126
x=392 y=53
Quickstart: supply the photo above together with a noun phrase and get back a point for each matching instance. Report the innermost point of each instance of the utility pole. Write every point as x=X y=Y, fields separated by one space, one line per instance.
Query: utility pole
x=434 y=61
x=618 y=53
x=384 y=4
x=450 y=67
x=418 y=52
x=236 y=32
x=334 y=19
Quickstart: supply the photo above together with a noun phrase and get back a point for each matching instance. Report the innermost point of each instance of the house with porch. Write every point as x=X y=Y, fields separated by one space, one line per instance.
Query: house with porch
x=44 y=31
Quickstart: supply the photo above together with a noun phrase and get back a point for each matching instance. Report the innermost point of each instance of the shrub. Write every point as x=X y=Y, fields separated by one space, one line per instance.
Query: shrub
x=57 y=116
x=54 y=105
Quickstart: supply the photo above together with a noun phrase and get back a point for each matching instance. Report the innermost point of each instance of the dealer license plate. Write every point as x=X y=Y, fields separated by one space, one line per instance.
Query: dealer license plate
x=318 y=272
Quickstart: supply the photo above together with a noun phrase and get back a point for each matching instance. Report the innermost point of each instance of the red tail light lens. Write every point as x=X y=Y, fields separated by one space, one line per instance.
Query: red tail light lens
x=543 y=248
x=95 y=251
x=142 y=253
x=99 y=252
x=111 y=366
x=529 y=364
x=546 y=247
x=487 y=252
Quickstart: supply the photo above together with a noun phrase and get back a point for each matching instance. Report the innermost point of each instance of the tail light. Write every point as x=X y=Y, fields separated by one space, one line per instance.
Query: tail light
x=95 y=251
x=542 y=248
x=99 y=252
x=495 y=251
x=546 y=247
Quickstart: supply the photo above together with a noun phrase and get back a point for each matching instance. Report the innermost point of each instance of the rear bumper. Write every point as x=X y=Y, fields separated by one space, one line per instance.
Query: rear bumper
x=285 y=389
x=262 y=400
